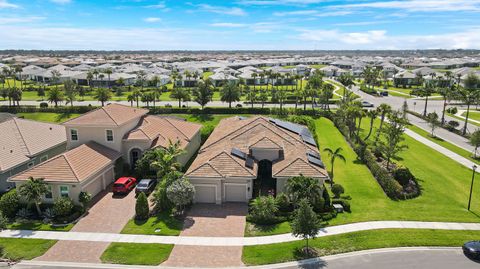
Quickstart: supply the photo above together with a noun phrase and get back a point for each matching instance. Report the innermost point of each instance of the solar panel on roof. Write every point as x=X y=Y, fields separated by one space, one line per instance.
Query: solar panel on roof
x=249 y=163
x=314 y=154
x=309 y=140
x=315 y=161
x=238 y=153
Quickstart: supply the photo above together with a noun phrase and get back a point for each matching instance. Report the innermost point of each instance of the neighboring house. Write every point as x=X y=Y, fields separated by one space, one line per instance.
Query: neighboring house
x=25 y=143
x=245 y=156
x=104 y=138
x=331 y=71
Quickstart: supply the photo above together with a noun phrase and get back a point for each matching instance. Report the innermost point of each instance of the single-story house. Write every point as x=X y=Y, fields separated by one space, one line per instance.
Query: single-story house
x=244 y=157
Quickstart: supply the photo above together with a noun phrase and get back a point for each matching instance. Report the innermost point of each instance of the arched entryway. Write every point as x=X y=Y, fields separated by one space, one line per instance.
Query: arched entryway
x=264 y=184
x=135 y=155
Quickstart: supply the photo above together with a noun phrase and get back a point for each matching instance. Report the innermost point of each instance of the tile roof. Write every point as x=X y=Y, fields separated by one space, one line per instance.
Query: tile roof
x=216 y=160
x=161 y=130
x=110 y=115
x=22 y=139
x=73 y=166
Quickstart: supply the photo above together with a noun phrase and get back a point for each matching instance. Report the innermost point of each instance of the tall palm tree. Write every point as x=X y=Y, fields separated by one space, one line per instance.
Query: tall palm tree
x=372 y=114
x=166 y=161
x=131 y=98
x=55 y=96
x=89 y=79
x=470 y=93
x=33 y=191
x=382 y=110
x=346 y=80
x=301 y=187
x=230 y=92
x=334 y=154
x=102 y=95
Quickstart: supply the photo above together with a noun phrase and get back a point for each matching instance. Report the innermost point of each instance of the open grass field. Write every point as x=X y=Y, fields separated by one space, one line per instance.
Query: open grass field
x=24 y=249
x=474 y=115
x=49 y=117
x=335 y=244
x=136 y=253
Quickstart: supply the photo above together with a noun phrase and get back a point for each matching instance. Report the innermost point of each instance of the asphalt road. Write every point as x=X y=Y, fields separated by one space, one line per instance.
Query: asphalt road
x=403 y=258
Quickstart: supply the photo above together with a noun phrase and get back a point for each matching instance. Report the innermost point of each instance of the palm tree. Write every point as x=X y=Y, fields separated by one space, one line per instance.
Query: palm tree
x=131 y=98
x=203 y=93
x=372 y=114
x=469 y=94
x=301 y=187
x=230 y=92
x=89 y=79
x=33 y=191
x=382 y=110
x=137 y=94
x=70 y=91
x=334 y=154
x=108 y=71
x=101 y=76
x=141 y=77
x=180 y=94
x=346 y=80
x=55 y=95
x=102 y=95
x=55 y=77
x=166 y=161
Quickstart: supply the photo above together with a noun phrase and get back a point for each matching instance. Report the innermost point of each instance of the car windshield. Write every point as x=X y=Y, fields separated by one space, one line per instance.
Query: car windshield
x=118 y=185
x=143 y=184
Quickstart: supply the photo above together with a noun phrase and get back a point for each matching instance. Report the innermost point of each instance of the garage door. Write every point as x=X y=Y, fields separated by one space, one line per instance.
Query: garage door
x=94 y=187
x=109 y=177
x=235 y=192
x=205 y=194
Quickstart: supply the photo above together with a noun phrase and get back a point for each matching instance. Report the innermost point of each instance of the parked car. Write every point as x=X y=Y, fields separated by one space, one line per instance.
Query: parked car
x=124 y=185
x=366 y=104
x=146 y=186
x=471 y=249
x=384 y=93
x=239 y=106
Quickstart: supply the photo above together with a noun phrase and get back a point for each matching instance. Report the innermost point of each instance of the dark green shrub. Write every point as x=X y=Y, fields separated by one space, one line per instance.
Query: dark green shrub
x=337 y=190
x=263 y=210
x=9 y=204
x=141 y=207
x=328 y=216
x=63 y=207
x=283 y=203
x=84 y=198
x=326 y=198
x=452 y=110
x=403 y=176
x=43 y=105
x=452 y=125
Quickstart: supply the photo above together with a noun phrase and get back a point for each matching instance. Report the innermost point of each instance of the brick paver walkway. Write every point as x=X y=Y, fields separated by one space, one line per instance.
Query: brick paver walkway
x=227 y=220
x=108 y=215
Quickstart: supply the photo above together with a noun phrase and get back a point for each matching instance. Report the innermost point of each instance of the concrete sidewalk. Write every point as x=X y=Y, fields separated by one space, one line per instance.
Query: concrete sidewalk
x=234 y=241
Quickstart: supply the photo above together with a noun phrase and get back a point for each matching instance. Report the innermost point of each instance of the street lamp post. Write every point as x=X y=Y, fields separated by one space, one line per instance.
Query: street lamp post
x=474 y=167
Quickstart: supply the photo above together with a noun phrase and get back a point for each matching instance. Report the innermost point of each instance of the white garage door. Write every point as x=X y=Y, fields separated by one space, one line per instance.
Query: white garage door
x=235 y=192
x=205 y=194
x=109 y=177
x=94 y=187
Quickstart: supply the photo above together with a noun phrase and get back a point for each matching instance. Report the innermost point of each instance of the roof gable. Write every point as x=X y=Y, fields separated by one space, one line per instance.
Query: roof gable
x=110 y=115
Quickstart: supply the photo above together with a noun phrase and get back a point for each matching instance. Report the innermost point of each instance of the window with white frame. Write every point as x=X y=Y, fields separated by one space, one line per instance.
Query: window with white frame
x=64 y=191
x=43 y=158
x=31 y=164
x=109 y=134
x=74 y=134
x=49 y=194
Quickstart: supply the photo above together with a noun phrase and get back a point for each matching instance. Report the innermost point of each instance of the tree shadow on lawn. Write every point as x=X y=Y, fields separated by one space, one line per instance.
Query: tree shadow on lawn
x=299 y=254
x=202 y=117
x=63 y=117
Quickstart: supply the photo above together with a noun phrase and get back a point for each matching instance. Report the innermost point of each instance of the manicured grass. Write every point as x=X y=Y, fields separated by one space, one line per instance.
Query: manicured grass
x=136 y=253
x=166 y=224
x=38 y=226
x=318 y=66
x=474 y=115
x=334 y=244
x=460 y=151
x=262 y=230
x=48 y=117
x=462 y=120
x=24 y=249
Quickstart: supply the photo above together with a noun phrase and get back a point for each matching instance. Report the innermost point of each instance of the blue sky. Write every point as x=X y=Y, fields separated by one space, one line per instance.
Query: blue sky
x=239 y=24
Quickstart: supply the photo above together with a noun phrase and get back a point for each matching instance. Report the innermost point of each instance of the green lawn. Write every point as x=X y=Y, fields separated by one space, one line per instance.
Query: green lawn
x=262 y=230
x=136 y=253
x=460 y=151
x=166 y=224
x=474 y=115
x=48 y=117
x=24 y=249
x=318 y=66
x=334 y=244
x=38 y=226
x=462 y=120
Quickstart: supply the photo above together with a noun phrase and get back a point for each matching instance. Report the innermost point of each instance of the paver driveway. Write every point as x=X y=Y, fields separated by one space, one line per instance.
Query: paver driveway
x=109 y=214
x=227 y=220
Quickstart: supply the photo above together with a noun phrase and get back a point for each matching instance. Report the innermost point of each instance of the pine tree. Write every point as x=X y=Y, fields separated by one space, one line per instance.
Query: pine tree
x=141 y=207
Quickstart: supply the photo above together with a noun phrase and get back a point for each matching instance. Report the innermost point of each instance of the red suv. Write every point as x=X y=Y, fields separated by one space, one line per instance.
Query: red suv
x=124 y=185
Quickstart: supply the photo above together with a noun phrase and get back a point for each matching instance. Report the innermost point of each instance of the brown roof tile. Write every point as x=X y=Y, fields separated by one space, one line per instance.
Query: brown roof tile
x=110 y=115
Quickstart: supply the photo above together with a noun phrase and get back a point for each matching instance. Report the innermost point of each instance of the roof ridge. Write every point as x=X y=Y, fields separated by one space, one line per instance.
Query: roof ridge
x=223 y=137
x=235 y=160
x=185 y=136
x=70 y=165
x=110 y=116
x=17 y=131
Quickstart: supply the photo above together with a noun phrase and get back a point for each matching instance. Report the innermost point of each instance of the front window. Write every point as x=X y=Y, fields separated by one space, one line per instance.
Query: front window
x=74 y=134
x=31 y=164
x=109 y=134
x=64 y=191
x=43 y=158
x=49 y=194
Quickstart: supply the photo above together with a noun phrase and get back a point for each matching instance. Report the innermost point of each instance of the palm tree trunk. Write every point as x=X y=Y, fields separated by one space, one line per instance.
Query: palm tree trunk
x=371 y=128
x=37 y=206
x=425 y=109
x=443 y=111
x=466 y=119
x=382 y=119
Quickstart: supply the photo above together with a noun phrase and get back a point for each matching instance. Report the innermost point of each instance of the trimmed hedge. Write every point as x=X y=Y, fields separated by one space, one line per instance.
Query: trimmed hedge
x=35 y=109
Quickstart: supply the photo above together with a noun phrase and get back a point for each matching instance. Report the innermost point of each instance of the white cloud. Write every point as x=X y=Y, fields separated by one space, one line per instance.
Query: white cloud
x=228 y=24
x=6 y=4
x=152 y=19
x=234 y=11
x=363 y=23
x=316 y=13
x=279 y=2
x=61 y=2
x=160 y=5
x=419 y=5
x=380 y=39
x=12 y=20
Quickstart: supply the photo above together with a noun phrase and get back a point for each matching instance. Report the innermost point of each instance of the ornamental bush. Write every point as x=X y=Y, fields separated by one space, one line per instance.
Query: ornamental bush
x=263 y=210
x=141 y=207
x=403 y=176
x=63 y=207
x=337 y=190
x=9 y=204
x=283 y=203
